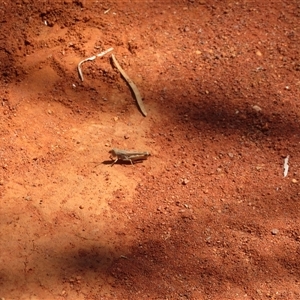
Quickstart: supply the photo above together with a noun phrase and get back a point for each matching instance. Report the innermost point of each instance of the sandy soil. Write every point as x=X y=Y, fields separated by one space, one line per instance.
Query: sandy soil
x=209 y=215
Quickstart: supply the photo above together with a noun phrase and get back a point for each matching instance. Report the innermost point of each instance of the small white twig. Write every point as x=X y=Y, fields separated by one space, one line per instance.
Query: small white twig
x=79 y=66
x=123 y=256
x=107 y=11
x=91 y=58
x=286 y=166
x=104 y=52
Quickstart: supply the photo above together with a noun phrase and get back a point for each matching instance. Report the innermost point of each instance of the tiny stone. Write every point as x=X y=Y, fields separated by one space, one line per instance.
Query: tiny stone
x=126 y=136
x=256 y=108
x=258 y=53
x=294 y=180
x=274 y=231
x=185 y=181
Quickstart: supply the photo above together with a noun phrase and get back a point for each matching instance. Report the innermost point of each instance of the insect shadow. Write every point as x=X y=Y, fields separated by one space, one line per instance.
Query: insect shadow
x=118 y=162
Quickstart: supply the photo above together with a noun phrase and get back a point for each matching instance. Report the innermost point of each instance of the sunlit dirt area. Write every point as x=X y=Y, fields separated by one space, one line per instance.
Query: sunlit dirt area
x=213 y=212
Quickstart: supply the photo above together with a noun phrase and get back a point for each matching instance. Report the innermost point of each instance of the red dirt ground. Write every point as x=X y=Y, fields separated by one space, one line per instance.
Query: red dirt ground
x=209 y=215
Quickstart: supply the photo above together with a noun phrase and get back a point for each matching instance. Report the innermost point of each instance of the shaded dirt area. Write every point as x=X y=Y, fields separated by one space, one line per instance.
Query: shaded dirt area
x=210 y=214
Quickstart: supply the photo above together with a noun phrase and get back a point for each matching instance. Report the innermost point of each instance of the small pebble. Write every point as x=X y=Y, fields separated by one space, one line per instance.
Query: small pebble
x=258 y=53
x=185 y=181
x=274 y=231
x=257 y=108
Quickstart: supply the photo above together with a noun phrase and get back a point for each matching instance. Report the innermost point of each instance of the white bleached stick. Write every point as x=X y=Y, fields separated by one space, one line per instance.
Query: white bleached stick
x=286 y=166
x=91 y=58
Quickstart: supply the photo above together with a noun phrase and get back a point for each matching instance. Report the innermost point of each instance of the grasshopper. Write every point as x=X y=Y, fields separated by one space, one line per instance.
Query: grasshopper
x=124 y=155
